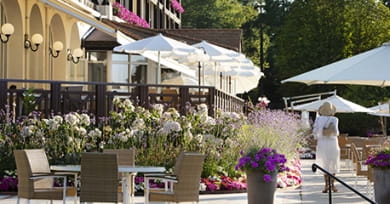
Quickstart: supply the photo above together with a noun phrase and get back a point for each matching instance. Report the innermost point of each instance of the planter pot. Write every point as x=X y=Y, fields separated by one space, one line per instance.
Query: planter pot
x=382 y=185
x=260 y=191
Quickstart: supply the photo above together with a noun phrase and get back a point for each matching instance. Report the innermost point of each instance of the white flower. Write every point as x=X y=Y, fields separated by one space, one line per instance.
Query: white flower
x=116 y=101
x=82 y=131
x=53 y=124
x=202 y=187
x=72 y=119
x=166 y=116
x=46 y=121
x=95 y=133
x=138 y=123
x=159 y=108
x=264 y=100
x=169 y=127
x=85 y=119
x=202 y=109
x=58 y=119
x=28 y=130
x=210 y=121
x=188 y=134
x=199 y=138
x=125 y=135
x=128 y=105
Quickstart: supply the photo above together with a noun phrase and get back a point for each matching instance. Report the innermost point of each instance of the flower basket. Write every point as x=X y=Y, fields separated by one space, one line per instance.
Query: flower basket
x=380 y=162
x=262 y=168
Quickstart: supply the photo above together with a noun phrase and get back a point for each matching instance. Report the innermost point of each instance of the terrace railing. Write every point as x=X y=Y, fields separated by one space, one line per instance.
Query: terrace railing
x=96 y=97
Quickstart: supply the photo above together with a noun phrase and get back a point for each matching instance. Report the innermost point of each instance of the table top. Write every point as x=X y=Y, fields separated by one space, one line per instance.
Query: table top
x=121 y=168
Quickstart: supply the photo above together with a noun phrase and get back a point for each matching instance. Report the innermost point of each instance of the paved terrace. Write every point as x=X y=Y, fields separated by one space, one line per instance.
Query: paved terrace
x=309 y=192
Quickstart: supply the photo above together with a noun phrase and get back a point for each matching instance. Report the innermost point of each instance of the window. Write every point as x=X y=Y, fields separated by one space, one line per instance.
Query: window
x=120 y=70
x=147 y=11
x=139 y=67
x=139 y=8
x=97 y=66
x=167 y=73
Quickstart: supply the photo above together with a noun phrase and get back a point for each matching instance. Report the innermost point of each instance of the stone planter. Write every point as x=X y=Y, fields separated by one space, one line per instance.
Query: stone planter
x=382 y=185
x=260 y=191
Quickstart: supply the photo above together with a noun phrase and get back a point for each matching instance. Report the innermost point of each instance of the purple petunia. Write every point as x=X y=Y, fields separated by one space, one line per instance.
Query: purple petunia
x=267 y=177
x=254 y=164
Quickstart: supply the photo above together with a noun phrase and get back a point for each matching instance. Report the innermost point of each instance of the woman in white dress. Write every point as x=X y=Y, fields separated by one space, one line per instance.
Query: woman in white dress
x=328 y=151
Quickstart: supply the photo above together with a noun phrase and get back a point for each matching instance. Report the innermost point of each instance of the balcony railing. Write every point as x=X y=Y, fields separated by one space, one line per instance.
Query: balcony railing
x=96 y=97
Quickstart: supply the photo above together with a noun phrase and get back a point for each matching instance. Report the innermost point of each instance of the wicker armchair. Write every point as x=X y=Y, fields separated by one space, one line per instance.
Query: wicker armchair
x=361 y=168
x=184 y=183
x=35 y=180
x=125 y=157
x=99 y=178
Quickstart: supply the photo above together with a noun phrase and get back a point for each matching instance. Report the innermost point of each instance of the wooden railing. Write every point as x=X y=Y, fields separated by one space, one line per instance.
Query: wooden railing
x=96 y=97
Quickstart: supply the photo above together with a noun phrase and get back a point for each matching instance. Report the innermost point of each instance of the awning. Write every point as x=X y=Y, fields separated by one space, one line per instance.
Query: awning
x=76 y=13
x=170 y=64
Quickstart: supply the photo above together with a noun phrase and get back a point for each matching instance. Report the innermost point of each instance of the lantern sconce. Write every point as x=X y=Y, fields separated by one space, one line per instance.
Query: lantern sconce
x=36 y=40
x=6 y=30
x=57 y=47
x=75 y=56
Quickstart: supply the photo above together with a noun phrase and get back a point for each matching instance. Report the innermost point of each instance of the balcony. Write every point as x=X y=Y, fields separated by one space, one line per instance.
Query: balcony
x=97 y=97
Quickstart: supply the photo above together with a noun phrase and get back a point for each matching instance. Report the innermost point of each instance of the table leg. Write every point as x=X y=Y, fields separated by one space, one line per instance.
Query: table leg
x=125 y=189
x=75 y=185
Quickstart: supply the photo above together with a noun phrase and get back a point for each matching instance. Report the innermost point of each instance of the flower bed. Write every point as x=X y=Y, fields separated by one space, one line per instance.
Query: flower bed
x=177 y=6
x=128 y=16
x=158 y=134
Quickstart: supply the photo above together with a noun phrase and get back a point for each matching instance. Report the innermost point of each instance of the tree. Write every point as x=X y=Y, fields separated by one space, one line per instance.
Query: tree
x=215 y=14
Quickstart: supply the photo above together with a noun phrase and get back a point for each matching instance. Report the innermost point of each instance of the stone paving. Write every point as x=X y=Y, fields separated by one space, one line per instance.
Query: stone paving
x=309 y=192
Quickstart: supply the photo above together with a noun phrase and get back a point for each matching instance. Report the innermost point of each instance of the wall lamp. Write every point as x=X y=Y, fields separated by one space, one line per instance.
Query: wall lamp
x=57 y=47
x=6 y=30
x=75 y=56
x=36 y=40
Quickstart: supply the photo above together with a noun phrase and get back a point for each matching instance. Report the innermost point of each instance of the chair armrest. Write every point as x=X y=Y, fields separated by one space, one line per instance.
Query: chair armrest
x=47 y=176
x=166 y=178
x=158 y=174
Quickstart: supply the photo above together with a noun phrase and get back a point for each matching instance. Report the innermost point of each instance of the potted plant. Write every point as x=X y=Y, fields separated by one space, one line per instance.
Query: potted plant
x=262 y=167
x=380 y=162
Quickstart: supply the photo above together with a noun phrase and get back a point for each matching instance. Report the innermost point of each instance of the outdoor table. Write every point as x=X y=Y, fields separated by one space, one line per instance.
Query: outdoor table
x=126 y=171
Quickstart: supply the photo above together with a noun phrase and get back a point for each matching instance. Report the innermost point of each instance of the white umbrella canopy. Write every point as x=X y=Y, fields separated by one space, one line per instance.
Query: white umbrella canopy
x=155 y=43
x=181 y=80
x=217 y=53
x=368 y=68
x=158 y=43
x=342 y=105
x=380 y=110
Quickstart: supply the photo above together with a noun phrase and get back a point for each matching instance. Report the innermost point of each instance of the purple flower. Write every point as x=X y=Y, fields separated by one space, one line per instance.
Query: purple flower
x=254 y=164
x=268 y=163
x=241 y=152
x=383 y=163
x=267 y=177
x=271 y=168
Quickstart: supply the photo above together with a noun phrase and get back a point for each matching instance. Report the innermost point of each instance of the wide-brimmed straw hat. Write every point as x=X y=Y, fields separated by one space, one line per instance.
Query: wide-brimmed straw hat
x=327 y=109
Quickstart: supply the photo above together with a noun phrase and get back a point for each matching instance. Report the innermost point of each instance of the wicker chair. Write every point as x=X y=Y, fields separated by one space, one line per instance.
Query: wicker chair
x=99 y=178
x=125 y=157
x=361 y=168
x=184 y=183
x=35 y=180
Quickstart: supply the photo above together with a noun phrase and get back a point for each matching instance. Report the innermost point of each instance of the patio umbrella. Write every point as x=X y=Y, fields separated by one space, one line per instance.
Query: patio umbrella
x=181 y=80
x=368 y=68
x=381 y=110
x=159 y=44
x=342 y=105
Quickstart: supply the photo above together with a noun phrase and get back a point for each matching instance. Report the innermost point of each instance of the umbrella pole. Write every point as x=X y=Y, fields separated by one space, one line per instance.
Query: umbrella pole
x=215 y=74
x=382 y=125
x=199 y=76
x=158 y=80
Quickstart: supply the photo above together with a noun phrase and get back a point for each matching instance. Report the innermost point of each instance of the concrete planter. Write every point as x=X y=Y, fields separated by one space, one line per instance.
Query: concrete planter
x=260 y=191
x=382 y=185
